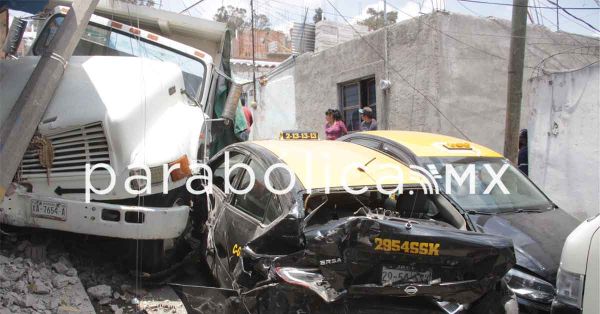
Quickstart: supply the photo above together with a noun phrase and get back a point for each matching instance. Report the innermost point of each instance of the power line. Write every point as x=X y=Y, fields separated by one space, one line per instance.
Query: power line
x=191 y=6
x=299 y=6
x=543 y=18
x=573 y=16
x=527 y=6
x=452 y=37
x=400 y=75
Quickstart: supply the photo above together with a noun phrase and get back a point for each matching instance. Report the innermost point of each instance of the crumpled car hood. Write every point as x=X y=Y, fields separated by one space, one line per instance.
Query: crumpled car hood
x=538 y=237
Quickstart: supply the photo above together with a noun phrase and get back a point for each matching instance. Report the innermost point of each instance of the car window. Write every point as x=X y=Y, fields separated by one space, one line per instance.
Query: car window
x=258 y=198
x=218 y=169
x=273 y=211
x=397 y=153
x=373 y=144
x=98 y=40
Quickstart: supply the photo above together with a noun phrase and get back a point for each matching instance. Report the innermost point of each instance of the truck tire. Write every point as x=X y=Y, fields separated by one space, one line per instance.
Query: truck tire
x=151 y=256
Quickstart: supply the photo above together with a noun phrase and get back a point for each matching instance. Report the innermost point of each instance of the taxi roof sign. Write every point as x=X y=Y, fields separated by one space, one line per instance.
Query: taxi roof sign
x=298 y=135
x=458 y=145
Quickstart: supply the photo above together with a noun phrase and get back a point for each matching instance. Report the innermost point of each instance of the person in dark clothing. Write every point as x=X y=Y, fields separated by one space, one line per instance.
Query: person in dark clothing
x=522 y=159
x=368 y=121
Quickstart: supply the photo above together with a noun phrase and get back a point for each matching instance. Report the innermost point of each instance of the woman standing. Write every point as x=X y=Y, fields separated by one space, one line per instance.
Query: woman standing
x=334 y=126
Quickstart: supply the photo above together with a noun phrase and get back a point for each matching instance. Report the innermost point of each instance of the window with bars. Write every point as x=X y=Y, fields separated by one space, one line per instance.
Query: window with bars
x=356 y=95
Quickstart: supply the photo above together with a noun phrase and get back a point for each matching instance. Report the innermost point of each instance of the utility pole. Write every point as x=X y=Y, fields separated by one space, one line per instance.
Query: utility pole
x=384 y=109
x=515 y=79
x=253 y=59
x=26 y=114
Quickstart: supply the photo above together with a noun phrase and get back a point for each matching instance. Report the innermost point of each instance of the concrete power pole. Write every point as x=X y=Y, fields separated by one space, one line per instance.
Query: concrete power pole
x=254 y=89
x=26 y=114
x=515 y=79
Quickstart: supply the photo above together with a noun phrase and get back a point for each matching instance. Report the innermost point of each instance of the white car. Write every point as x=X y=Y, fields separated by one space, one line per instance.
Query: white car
x=578 y=280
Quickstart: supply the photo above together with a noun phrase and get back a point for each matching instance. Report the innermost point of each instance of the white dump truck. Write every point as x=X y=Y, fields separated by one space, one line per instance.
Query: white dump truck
x=132 y=101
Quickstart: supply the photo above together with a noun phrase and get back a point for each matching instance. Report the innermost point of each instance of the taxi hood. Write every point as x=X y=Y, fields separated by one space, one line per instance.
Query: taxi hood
x=538 y=237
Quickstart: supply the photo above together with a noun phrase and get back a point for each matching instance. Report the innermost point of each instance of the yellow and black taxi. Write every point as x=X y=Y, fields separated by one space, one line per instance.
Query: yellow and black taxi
x=525 y=214
x=309 y=226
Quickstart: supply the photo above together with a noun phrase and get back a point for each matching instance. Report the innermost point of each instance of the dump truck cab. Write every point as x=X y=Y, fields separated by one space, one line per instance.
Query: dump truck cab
x=131 y=102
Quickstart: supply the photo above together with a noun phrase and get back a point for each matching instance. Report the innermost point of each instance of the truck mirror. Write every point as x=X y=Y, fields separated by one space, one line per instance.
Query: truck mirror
x=233 y=97
x=14 y=36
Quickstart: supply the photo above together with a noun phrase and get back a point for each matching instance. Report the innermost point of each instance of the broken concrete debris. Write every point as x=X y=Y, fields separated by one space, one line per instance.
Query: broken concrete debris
x=27 y=286
x=100 y=292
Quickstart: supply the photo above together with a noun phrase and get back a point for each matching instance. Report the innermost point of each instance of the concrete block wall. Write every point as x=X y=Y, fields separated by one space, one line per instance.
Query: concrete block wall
x=456 y=62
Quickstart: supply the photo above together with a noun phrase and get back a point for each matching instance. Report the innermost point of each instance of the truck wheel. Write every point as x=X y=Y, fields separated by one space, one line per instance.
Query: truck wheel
x=151 y=256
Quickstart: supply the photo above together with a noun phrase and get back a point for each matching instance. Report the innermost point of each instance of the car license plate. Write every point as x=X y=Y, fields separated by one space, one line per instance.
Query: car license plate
x=50 y=210
x=404 y=274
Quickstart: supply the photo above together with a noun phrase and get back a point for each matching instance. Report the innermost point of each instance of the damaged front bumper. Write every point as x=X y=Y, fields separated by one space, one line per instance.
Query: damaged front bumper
x=281 y=297
x=285 y=298
x=24 y=209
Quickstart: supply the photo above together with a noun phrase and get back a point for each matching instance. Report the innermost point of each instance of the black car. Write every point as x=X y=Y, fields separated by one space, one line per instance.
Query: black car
x=309 y=250
x=537 y=226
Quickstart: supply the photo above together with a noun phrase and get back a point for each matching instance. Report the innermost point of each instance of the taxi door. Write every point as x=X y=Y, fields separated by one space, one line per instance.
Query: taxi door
x=248 y=214
x=218 y=248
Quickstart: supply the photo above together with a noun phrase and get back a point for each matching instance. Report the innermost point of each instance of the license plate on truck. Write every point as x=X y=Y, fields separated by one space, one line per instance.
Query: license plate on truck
x=404 y=274
x=50 y=210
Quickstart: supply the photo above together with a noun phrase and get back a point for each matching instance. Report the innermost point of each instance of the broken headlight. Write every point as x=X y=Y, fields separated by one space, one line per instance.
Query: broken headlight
x=569 y=288
x=309 y=278
x=529 y=287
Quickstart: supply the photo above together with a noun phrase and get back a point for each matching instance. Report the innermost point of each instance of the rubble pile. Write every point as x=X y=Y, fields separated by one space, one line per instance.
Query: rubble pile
x=46 y=285
x=65 y=275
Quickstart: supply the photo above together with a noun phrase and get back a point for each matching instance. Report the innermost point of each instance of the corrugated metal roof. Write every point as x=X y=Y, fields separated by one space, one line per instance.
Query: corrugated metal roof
x=303 y=38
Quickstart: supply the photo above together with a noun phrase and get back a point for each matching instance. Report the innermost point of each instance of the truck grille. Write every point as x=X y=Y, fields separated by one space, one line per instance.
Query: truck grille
x=72 y=150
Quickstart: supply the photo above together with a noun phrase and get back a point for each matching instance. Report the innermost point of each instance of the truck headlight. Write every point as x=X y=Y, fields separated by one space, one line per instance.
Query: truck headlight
x=569 y=288
x=529 y=287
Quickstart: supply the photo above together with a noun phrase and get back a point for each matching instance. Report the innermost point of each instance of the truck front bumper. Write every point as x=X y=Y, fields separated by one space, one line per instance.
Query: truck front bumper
x=95 y=218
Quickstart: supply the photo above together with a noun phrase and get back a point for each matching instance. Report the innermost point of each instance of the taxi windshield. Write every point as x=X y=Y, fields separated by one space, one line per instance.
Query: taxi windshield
x=103 y=41
x=522 y=194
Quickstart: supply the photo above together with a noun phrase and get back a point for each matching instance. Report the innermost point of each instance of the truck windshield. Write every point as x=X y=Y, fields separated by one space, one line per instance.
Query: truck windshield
x=523 y=194
x=102 y=41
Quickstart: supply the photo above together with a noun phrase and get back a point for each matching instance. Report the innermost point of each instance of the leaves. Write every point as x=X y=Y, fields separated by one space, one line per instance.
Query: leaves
x=375 y=19
x=318 y=15
x=236 y=18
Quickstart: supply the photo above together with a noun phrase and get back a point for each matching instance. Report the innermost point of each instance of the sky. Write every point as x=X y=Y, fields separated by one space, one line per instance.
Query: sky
x=282 y=12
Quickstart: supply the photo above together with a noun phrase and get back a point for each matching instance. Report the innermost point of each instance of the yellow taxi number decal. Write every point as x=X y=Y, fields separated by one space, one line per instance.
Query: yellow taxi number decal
x=409 y=247
x=237 y=250
x=288 y=135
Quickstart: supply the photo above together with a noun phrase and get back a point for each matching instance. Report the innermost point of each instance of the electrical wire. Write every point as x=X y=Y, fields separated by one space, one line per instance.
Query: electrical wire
x=526 y=6
x=401 y=76
x=573 y=16
x=579 y=43
x=454 y=38
x=191 y=6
